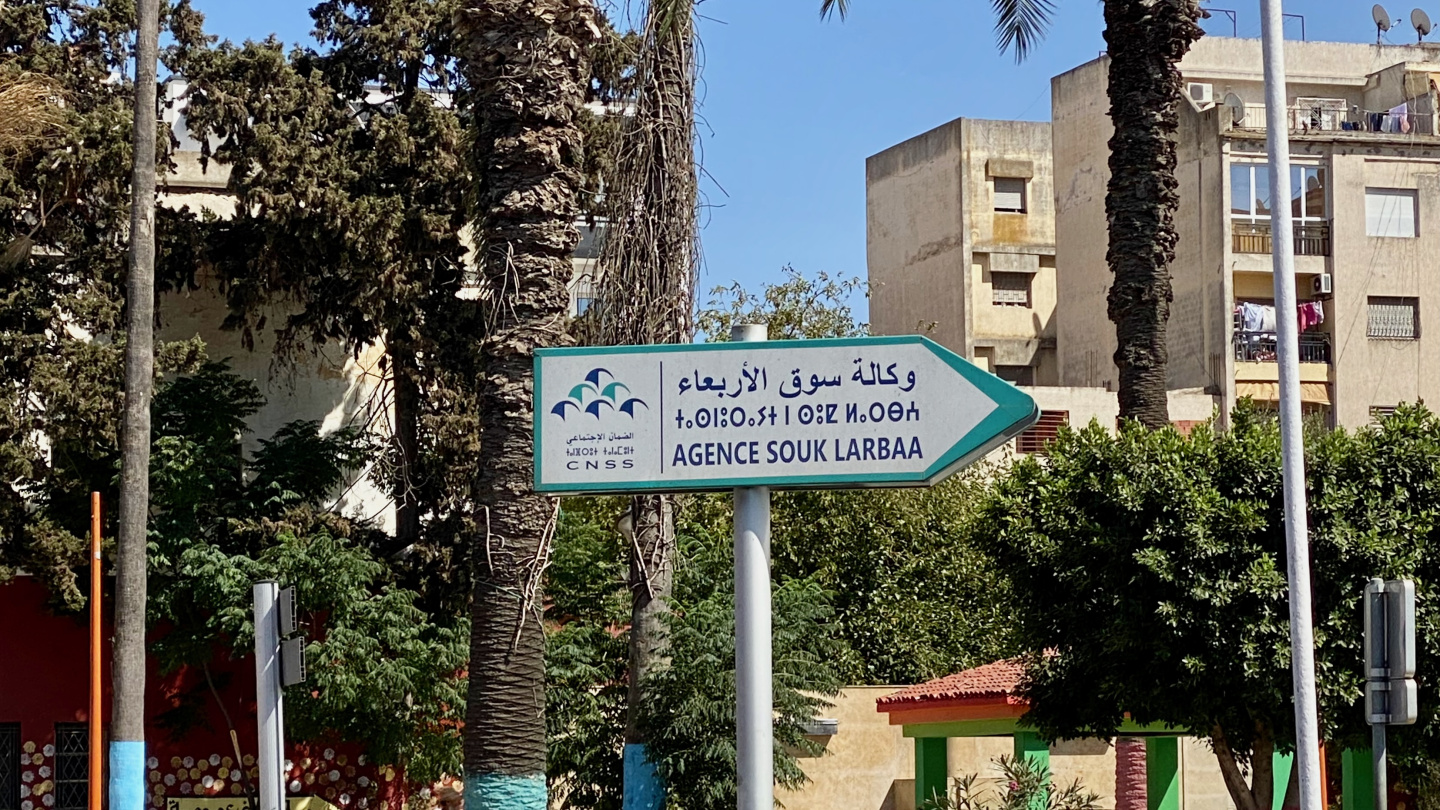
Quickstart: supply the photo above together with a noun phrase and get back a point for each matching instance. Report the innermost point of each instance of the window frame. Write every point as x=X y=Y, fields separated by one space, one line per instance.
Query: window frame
x=1397 y=302
x=996 y=290
x=1297 y=191
x=10 y=742
x=72 y=786
x=1410 y=194
x=1036 y=439
x=1024 y=192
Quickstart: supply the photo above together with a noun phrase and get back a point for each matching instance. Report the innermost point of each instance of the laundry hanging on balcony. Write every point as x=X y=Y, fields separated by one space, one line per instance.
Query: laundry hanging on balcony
x=1261 y=317
x=1312 y=313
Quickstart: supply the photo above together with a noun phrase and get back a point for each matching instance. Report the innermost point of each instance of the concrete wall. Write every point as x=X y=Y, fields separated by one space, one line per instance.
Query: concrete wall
x=1369 y=371
x=915 y=238
x=1085 y=338
x=934 y=239
x=870 y=765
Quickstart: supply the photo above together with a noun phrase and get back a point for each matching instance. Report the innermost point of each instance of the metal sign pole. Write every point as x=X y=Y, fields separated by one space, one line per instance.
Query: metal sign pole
x=1292 y=439
x=268 y=709
x=754 y=732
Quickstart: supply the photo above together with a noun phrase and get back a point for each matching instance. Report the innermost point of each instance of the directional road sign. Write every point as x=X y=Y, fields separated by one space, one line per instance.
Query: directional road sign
x=852 y=412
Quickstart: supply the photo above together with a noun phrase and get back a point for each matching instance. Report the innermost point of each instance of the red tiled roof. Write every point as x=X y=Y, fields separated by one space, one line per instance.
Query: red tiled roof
x=997 y=680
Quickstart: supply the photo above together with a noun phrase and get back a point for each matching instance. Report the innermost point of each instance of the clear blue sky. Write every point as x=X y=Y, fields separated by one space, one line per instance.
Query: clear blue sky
x=792 y=106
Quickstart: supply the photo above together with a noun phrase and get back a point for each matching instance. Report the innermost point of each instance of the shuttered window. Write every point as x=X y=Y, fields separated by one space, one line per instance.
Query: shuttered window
x=1380 y=412
x=1010 y=195
x=1037 y=438
x=1010 y=289
x=1390 y=212
x=1393 y=318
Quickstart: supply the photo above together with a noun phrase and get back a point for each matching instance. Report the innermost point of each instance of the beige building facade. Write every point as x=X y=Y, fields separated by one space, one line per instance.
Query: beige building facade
x=961 y=244
x=1366 y=176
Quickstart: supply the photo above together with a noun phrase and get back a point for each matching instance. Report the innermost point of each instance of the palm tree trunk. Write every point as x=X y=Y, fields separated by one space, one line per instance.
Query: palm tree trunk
x=404 y=371
x=647 y=275
x=652 y=579
x=527 y=66
x=127 y=723
x=1147 y=39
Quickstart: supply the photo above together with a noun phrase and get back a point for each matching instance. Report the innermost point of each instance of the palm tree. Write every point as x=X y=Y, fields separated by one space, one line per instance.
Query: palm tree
x=527 y=68
x=647 y=272
x=1146 y=40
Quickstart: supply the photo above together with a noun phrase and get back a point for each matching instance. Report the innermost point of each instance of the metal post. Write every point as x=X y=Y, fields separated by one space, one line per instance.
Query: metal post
x=1292 y=440
x=1382 y=783
x=754 y=728
x=96 y=793
x=269 y=712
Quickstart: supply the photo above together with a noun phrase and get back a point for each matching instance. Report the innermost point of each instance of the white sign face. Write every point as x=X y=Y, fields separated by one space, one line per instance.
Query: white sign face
x=884 y=411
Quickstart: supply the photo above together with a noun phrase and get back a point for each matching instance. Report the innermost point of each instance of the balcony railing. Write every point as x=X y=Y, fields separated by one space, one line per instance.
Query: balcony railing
x=1259 y=347
x=1311 y=238
x=1301 y=119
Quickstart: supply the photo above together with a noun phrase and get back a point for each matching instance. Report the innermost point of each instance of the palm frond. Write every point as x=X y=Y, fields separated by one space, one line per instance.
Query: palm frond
x=828 y=7
x=1021 y=24
x=671 y=18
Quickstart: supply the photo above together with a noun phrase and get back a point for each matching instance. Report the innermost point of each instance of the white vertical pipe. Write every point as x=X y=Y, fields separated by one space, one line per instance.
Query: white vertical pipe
x=1292 y=439
x=269 y=711
x=754 y=726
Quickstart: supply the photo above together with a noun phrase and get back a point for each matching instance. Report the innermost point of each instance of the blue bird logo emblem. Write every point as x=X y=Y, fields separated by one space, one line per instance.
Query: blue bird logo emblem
x=600 y=391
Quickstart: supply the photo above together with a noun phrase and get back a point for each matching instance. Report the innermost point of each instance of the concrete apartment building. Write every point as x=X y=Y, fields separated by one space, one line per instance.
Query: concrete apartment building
x=1366 y=172
x=961 y=244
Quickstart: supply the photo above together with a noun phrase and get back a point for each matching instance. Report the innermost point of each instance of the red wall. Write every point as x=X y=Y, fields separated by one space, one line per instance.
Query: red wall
x=44 y=680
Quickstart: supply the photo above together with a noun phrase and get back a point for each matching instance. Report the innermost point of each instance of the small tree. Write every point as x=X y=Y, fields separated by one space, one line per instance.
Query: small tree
x=1148 y=575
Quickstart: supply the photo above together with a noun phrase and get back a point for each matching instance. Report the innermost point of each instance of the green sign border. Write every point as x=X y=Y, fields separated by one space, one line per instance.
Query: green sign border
x=1015 y=412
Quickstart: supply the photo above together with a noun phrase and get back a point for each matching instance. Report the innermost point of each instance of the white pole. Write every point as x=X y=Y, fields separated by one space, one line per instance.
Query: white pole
x=1292 y=439
x=269 y=712
x=754 y=726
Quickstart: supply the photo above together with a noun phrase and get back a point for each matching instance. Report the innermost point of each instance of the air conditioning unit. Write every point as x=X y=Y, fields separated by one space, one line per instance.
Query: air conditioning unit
x=1201 y=95
x=1324 y=284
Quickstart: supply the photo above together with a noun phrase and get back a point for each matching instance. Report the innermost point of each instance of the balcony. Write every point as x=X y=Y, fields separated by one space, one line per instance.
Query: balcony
x=1334 y=116
x=1253 y=236
x=1259 y=347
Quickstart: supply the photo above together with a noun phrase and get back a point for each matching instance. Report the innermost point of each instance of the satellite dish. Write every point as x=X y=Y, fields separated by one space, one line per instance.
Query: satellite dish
x=1236 y=106
x=1421 y=21
x=1382 y=18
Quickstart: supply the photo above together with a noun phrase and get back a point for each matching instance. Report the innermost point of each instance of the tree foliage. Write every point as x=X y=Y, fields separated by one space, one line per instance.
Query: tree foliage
x=1148 y=578
x=690 y=720
x=64 y=211
x=380 y=669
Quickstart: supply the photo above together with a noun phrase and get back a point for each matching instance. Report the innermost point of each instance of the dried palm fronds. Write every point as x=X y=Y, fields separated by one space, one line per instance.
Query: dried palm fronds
x=650 y=254
x=31 y=111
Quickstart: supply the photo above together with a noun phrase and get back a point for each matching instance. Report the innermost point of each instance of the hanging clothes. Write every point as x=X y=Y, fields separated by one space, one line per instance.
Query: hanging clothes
x=1267 y=318
x=1251 y=317
x=1310 y=314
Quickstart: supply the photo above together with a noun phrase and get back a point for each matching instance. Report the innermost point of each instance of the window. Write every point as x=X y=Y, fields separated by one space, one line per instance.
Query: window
x=1250 y=192
x=72 y=766
x=9 y=766
x=1037 y=438
x=1010 y=195
x=1016 y=375
x=1390 y=212
x=1010 y=289
x=584 y=292
x=1394 y=318
x=1379 y=413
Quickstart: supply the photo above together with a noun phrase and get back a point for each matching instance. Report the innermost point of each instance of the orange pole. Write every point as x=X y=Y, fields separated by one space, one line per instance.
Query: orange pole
x=96 y=790
x=1324 y=777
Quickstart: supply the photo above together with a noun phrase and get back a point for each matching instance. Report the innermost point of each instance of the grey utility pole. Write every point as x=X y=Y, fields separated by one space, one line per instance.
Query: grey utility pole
x=1292 y=438
x=269 y=712
x=754 y=689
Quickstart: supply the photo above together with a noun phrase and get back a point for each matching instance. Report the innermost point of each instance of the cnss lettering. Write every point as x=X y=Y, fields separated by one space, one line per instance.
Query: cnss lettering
x=597 y=464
